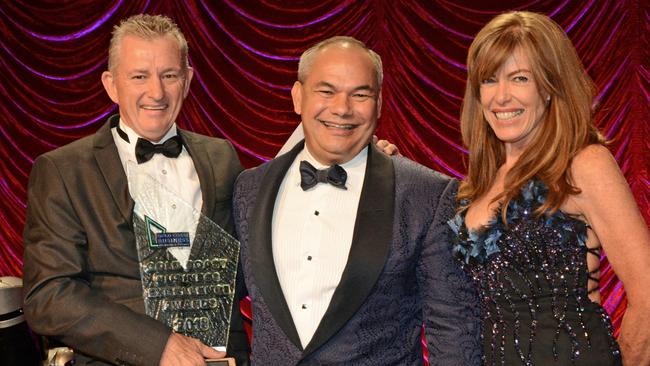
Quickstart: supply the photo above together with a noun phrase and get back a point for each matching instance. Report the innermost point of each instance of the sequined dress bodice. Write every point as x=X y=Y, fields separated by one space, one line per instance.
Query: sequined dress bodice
x=531 y=275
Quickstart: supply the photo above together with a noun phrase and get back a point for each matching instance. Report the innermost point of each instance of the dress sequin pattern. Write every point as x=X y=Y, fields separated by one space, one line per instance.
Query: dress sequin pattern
x=531 y=275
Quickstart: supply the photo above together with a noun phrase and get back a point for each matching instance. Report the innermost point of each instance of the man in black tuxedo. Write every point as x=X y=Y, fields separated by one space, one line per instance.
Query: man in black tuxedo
x=82 y=279
x=346 y=251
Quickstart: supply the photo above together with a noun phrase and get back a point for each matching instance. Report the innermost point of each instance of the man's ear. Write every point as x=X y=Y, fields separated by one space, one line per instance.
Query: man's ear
x=296 y=96
x=109 y=85
x=379 y=104
x=189 y=73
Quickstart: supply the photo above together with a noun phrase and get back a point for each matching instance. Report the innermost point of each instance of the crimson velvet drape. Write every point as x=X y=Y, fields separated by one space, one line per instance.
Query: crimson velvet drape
x=245 y=56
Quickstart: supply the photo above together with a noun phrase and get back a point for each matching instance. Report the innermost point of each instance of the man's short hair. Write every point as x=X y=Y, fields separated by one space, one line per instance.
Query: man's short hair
x=147 y=27
x=307 y=57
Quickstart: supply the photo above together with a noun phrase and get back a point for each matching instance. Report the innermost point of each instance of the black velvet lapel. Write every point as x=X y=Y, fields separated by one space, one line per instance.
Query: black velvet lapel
x=373 y=235
x=260 y=247
x=109 y=163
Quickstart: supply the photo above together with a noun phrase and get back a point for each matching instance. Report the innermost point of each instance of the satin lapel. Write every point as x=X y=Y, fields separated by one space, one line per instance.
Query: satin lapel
x=203 y=166
x=260 y=246
x=373 y=234
x=110 y=165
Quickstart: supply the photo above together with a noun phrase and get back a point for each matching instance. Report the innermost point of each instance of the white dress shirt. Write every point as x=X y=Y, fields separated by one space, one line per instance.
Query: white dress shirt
x=182 y=190
x=312 y=236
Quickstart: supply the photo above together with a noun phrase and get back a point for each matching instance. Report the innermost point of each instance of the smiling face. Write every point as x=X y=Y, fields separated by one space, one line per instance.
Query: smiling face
x=149 y=84
x=512 y=103
x=339 y=102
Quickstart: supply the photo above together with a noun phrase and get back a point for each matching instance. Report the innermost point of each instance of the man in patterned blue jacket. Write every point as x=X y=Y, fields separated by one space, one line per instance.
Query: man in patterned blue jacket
x=345 y=250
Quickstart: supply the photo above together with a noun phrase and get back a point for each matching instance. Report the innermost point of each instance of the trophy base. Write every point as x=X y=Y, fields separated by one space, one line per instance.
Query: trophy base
x=220 y=362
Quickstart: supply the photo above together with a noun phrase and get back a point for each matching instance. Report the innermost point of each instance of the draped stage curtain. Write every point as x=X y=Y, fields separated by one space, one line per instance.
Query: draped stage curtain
x=245 y=57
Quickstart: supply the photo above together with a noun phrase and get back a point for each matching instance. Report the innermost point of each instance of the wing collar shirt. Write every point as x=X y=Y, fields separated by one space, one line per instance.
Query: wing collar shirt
x=312 y=237
x=177 y=175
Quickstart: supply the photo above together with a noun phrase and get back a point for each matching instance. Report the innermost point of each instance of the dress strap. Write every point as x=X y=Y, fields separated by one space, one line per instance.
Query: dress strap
x=591 y=274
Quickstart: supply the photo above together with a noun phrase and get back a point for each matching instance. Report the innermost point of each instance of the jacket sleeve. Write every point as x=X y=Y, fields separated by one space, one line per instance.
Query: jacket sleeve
x=60 y=300
x=451 y=309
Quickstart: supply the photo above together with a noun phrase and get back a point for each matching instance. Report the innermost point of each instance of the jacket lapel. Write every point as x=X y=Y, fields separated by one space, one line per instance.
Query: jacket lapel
x=260 y=245
x=110 y=165
x=371 y=240
x=204 y=171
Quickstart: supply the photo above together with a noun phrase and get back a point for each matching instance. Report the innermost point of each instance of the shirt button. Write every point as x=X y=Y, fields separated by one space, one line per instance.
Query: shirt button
x=309 y=257
x=174 y=206
x=316 y=213
x=164 y=171
x=304 y=306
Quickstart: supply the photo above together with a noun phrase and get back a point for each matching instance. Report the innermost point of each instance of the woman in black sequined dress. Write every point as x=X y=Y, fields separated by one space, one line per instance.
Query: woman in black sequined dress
x=541 y=197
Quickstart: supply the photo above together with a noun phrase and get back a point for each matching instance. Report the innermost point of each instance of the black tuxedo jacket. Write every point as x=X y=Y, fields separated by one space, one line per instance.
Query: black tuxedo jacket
x=400 y=274
x=81 y=272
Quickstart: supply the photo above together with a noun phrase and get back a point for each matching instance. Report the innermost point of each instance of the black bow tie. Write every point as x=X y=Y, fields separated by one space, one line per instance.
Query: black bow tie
x=310 y=176
x=144 y=150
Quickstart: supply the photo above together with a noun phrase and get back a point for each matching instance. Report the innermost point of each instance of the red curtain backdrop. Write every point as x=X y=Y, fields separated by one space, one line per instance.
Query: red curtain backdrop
x=245 y=56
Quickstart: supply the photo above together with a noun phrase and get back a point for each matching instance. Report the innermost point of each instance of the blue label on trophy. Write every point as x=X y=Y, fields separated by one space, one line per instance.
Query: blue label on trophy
x=166 y=240
x=158 y=237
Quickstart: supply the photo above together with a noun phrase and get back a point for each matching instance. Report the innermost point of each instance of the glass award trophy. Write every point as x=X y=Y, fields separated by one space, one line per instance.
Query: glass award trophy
x=188 y=263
